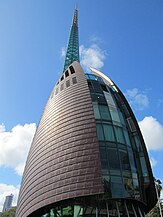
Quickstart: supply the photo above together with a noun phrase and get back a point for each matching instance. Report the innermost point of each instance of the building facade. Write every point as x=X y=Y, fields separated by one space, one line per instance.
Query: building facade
x=88 y=157
x=8 y=203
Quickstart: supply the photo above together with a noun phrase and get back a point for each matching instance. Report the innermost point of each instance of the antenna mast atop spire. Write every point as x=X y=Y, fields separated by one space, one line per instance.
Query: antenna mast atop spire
x=72 y=53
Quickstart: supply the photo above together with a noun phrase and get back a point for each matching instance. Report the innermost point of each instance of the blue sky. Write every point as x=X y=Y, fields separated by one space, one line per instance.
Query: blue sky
x=125 y=37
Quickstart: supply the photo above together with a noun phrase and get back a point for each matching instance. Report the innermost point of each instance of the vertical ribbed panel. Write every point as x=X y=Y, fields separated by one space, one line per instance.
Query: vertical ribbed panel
x=63 y=161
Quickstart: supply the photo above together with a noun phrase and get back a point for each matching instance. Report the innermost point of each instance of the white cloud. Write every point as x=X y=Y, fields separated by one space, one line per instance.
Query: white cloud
x=93 y=56
x=152 y=132
x=137 y=99
x=7 y=190
x=63 y=52
x=153 y=161
x=2 y=128
x=14 y=146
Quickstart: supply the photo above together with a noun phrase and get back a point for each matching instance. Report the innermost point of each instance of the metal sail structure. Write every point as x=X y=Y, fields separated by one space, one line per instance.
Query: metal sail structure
x=72 y=53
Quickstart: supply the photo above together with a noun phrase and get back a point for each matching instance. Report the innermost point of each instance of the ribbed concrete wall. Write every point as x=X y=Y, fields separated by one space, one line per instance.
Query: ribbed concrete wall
x=63 y=161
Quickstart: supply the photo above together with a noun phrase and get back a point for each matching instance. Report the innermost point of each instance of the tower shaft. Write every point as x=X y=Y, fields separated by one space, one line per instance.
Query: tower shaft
x=72 y=53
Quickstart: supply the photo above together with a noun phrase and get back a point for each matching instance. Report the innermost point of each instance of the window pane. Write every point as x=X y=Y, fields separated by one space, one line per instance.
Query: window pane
x=104 y=112
x=143 y=166
x=93 y=96
x=61 y=87
x=104 y=88
x=108 y=132
x=117 y=189
x=124 y=160
x=97 y=87
x=101 y=98
x=93 y=77
x=72 y=69
x=103 y=154
x=122 y=118
x=114 y=114
x=109 y=99
x=96 y=110
x=67 y=83
x=113 y=158
x=119 y=134
x=127 y=137
x=138 y=143
x=100 y=134
x=132 y=161
x=131 y=124
x=74 y=81
x=66 y=73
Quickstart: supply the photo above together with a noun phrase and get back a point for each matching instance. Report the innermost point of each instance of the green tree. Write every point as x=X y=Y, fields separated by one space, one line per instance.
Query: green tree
x=9 y=213
x=155 y=212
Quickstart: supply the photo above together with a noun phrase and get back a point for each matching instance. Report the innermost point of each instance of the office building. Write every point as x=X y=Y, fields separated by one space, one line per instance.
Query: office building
x=8 y=203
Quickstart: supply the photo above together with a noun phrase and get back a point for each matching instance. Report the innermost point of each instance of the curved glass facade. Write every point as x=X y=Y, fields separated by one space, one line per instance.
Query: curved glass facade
x=122 y=159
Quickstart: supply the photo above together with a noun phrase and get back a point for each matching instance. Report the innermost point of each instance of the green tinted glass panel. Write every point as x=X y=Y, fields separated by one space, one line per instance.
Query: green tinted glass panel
x=138 y=143
x=114 y=114
x=132 y=161
x=117 y=186
x=109 y=99
x=113 y=158
x=108 y=132
x=143 y=166
x=96 y=87
x=104 y=111
x=101 y=99
x=100 y=134
x=96 y=110
x=127 y=139
x=93 y=77
x=119 y=134
x=122 y=118
x=103 y=154
x=124 y=160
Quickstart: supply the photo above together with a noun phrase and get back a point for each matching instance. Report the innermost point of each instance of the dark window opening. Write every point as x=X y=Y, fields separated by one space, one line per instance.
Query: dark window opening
x=90 y=86
x=57 y=82
x=104 y=88
x=72 y=69
x=56 y=92
x=61 y=88
x=62 y=78
x=66 y=73
x=74 y=81
x=68 y=83
x=124 y=160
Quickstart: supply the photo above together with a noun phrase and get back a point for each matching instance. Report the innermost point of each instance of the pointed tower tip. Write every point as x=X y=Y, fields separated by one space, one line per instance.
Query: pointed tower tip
x=76 y=6
x=75 y=17
x=72 y=53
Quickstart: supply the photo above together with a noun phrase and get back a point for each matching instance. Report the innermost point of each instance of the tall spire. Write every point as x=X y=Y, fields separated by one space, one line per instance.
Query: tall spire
x=72 y=53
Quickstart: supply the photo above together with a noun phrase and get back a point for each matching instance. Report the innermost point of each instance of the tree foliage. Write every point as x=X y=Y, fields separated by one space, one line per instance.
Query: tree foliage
x=9 y=213
x=155 y=212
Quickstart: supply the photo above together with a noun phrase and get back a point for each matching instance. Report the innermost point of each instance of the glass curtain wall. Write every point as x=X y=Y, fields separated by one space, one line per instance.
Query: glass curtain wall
x=122 y=159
